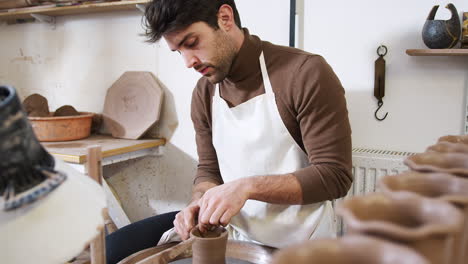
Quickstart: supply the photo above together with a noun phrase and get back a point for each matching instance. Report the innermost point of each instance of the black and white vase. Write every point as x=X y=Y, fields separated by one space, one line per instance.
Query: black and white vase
x=442 y=34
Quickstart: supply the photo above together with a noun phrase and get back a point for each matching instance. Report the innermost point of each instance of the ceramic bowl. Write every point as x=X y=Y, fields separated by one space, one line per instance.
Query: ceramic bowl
x=428 y=226
x=455 y=139
x=454 y=163
x=448 y=147
x=440 y=186
x=350 y=249
x=62 y=128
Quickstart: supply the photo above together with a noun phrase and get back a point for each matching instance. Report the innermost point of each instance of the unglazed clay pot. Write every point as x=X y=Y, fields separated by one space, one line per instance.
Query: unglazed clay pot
x=448 y=147
x=426 y=225
x=441 y=186
x=454 y=163
x=209 y=247
x=455 y=139
x=351 y=249
x=36 y=105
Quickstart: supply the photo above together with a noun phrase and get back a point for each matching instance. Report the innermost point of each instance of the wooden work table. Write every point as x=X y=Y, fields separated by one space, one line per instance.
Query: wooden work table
x=113 y=150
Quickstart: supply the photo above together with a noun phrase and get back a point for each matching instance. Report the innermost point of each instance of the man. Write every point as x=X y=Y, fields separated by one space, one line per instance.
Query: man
x=272 y=129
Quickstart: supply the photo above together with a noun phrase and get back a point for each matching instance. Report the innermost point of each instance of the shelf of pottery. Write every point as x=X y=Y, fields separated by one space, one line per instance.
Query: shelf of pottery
x=14 y=11
x=418 y=216
x=132 y=107
x=441 y=36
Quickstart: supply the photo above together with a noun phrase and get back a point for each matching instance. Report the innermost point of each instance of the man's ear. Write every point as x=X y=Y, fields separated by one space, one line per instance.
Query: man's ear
x=226 y=17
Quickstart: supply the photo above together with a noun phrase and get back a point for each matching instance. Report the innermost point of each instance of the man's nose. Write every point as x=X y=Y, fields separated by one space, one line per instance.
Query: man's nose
x=190 y=59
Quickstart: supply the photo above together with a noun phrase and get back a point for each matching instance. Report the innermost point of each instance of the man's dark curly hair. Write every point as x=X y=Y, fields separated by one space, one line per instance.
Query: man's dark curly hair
x=165 y=16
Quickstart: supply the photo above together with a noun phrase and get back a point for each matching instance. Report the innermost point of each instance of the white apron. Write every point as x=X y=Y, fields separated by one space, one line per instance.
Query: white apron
x=250 y=140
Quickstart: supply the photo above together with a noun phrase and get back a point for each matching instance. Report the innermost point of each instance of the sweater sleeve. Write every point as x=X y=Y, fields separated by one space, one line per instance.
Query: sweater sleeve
x=322 y=115
x=207 y=169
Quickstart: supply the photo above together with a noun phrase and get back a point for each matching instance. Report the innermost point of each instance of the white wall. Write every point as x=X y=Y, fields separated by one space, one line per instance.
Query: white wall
x=77 y=61
x=424 y=95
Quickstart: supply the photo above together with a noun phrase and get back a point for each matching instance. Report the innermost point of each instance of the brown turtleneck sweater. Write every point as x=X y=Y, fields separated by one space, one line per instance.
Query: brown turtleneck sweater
x=310 y=101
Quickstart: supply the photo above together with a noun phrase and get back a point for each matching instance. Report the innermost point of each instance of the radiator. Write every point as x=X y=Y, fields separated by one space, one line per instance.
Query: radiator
x=368 y=166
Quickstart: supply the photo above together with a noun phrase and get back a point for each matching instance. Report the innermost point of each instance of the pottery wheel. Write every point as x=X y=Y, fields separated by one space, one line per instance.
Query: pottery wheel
x=237 y=252
x=228 y=261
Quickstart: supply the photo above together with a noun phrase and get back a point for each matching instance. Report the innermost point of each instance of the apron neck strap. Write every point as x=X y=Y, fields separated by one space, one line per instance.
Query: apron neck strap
x=266 y=78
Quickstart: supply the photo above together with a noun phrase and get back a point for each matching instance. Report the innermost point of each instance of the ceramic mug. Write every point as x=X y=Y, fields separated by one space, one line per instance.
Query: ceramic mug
x=428 y=226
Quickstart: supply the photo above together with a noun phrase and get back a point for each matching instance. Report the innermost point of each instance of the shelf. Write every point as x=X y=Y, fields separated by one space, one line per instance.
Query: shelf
x=444 y=52
x=113 y=149
x=25 y=13
x=437 y=52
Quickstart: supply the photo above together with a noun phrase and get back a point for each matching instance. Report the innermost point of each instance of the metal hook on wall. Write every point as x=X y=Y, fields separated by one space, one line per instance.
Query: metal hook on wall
x=380 y=104
x=379 y=82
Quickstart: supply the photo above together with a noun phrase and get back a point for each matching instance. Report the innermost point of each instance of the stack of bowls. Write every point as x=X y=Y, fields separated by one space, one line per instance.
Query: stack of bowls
x=418 y=216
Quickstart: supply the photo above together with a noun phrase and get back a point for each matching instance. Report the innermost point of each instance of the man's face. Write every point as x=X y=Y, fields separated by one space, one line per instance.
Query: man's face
x=207 y=50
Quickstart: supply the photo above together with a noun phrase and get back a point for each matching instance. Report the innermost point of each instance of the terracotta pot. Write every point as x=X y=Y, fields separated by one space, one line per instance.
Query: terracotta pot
x=350 y=249
x=426 y=225
x=62 y=128
x=451 y=162
x=210 y=247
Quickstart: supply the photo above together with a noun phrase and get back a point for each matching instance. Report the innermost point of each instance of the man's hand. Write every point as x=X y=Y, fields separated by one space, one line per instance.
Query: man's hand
x=219 y=204
x=185 y=220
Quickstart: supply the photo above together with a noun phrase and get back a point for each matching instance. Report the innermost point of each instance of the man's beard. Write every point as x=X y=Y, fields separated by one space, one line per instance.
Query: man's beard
x=225 y=51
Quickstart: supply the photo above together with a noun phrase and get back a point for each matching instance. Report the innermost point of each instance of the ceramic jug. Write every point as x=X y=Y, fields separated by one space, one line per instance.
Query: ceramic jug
x=444 y=187
x=350 y=249
x=428 y=226
x=442 y=34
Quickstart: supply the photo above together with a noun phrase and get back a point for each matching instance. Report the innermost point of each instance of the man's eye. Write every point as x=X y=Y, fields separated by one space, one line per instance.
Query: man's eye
x=192 y=44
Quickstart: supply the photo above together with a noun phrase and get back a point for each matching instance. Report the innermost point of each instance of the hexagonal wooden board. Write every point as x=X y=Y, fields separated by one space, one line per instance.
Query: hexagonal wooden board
x=132 y=105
